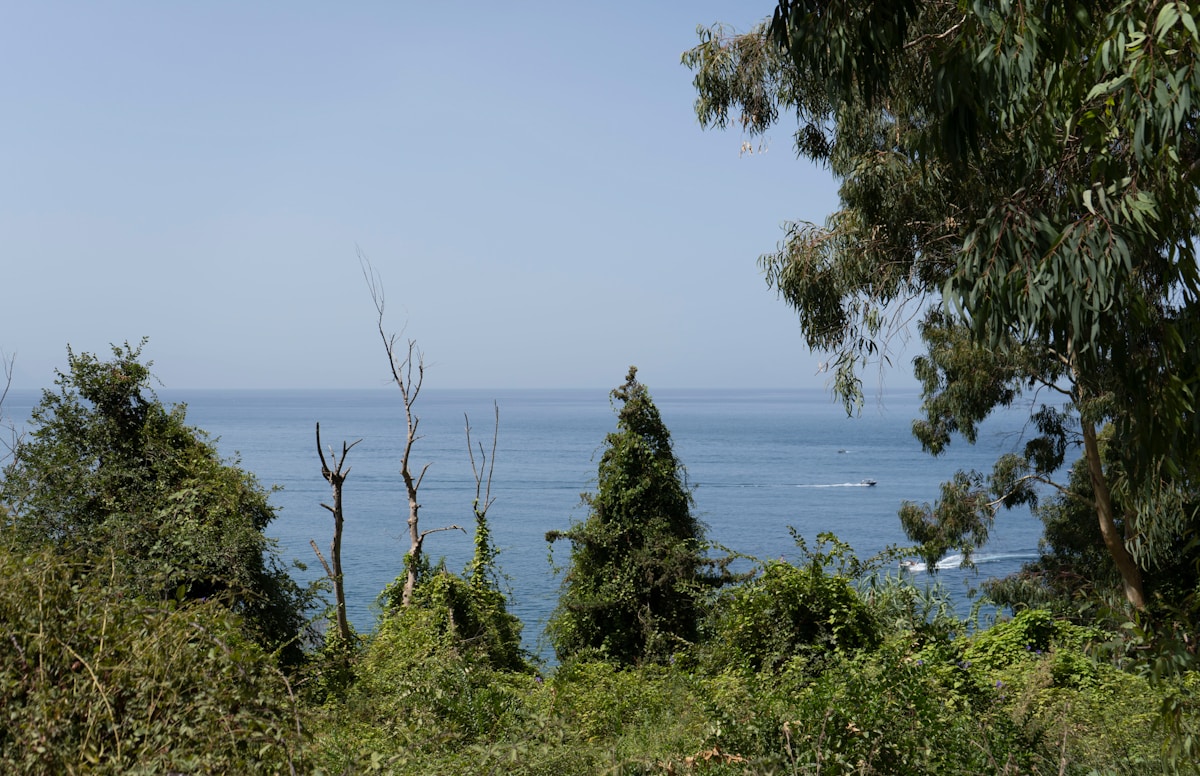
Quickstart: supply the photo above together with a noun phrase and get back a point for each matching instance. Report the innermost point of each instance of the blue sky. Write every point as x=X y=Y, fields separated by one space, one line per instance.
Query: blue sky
x=529 y=180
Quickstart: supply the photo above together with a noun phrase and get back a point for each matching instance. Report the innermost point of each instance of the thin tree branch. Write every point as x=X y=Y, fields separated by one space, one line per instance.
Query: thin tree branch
x=320 y=557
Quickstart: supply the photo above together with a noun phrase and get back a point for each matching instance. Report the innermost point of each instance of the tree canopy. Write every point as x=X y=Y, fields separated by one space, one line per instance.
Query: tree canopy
x=1031 y=169
x=108 y=472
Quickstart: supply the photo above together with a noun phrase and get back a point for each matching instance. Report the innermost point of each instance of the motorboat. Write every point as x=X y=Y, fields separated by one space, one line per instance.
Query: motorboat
x=868 y=482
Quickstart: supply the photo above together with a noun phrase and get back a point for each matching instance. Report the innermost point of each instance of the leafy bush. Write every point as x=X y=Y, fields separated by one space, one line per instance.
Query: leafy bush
x=95 y=680
x=108 y=471
x=470 y=613
x=1032 y=632
x=789 y=612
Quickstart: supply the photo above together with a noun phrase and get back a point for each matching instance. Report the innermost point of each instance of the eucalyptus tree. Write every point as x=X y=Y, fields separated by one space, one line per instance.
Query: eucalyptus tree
x=1032 y=167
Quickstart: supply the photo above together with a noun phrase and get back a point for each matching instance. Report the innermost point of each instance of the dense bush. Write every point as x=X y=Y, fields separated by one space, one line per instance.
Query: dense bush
x=638 y=572
x=108 y=471
x=95 y=680
x=788 y=613
x=470 y=614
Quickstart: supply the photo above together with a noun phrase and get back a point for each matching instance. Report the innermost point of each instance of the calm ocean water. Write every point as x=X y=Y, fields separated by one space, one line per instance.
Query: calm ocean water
x=761 y=462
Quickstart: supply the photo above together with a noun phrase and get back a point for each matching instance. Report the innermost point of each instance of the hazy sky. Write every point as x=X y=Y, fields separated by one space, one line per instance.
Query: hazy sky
x=529 y=180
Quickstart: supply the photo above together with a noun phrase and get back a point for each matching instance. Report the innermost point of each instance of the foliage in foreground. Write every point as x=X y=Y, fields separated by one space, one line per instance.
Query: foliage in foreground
x=876 y=679
x=93 y=680
x=807 y=668
x=106 y=683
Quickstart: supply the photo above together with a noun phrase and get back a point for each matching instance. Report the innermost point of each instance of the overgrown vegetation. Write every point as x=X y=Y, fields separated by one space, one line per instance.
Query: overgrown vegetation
x=107 y=472
x=638 y=569
x=1033 y=165
x=94 y=679
x=826 y=666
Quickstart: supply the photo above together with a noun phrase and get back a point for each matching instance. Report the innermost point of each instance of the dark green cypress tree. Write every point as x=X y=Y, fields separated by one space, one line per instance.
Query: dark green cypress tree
x=638 y=568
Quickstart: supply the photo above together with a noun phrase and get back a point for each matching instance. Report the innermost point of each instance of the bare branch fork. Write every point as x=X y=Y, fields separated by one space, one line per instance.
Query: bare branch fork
x=408 y=373
x=487 y=499
x=484 y=550
x=336 y=477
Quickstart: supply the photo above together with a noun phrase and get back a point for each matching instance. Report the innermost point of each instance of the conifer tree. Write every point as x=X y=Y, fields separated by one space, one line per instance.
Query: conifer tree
x=637 y=569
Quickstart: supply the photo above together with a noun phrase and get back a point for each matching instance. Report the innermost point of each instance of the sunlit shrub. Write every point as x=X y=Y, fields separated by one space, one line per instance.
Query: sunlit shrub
x=790 y=611
x=93 y=679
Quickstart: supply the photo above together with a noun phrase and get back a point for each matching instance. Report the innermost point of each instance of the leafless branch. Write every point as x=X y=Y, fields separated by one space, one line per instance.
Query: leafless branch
x=14 y=438
x=408 y=373
x=483 y=504
x=336 y=478
x=443 y=528
x=1044 y=480
x=939 y=36
x=321 y=557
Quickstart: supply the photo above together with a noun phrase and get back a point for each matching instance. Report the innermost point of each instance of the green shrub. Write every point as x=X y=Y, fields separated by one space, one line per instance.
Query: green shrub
x=638 y=573
x=1031 y=633
x=788 y=612
x=476 y=615
x=93 y=679
x=108 y=471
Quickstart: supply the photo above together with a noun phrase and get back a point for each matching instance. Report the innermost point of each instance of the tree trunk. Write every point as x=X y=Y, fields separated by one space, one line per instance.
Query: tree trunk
x=336 y=479
x=1131 y=575
x=339 y=588
x=413 y=558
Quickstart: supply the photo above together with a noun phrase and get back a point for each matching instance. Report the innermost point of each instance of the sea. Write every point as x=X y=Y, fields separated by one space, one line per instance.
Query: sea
x=761 y=463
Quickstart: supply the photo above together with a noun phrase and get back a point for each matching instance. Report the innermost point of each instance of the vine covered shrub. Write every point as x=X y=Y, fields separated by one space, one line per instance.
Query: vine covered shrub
x=634 y=588
x=422 y=690
x=470 y=614
x=790 y=612
x=108 y=471
x=1033 y=632
x=94 y=679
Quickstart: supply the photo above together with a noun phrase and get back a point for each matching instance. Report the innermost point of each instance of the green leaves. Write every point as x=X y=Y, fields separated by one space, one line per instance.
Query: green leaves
x=790 y=615
x=91 y=674
x=636 y=575
x=1031 y=170
x=109 y=468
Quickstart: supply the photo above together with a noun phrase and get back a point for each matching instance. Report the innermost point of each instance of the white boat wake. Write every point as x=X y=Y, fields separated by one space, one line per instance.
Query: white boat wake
x=863 y=484
x=954 y=561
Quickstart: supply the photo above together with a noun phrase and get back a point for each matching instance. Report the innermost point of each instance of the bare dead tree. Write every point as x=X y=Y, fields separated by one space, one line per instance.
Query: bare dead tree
x=408 y=373
x=485 y=551
x=336 y=477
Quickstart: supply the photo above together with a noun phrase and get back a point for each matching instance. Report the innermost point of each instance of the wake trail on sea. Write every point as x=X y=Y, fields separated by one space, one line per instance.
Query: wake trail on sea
x=955 y=561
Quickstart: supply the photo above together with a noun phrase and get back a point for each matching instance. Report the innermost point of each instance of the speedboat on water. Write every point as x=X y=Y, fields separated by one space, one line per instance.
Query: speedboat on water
x=868 y=482
x=948 y=562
